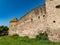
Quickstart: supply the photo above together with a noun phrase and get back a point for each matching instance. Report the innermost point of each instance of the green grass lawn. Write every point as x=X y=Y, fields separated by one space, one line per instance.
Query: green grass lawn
x=15 y=40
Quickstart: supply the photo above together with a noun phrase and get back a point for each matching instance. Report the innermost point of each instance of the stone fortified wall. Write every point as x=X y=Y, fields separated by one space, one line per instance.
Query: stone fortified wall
x=45 y=18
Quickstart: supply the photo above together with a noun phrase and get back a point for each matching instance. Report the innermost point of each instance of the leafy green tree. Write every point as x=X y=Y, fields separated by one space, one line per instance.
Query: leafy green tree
x=3 y=30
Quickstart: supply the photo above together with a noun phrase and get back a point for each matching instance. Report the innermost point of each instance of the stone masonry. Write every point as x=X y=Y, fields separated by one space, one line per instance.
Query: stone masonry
x=45 y=18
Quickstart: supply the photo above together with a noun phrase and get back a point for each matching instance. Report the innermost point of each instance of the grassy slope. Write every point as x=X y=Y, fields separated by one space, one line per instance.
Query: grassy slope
x=8 y=40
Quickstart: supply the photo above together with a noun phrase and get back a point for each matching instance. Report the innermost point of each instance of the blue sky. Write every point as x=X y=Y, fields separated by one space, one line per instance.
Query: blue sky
x=16 y=8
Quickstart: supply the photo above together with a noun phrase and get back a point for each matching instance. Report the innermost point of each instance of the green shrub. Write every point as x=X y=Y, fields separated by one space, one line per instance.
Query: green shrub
x=25 y=38
x=42 y=36
x=15 y=35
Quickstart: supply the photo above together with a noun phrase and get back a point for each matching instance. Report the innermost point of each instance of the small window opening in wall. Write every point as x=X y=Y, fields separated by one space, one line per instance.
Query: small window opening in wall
x=38 y=17
x=51 y=34
x=54 y=21
x=31 y=19
x=58 y=6
x=43 y=15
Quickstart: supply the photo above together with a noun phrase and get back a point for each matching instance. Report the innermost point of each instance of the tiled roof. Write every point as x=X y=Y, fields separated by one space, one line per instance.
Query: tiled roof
x=14 y=20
